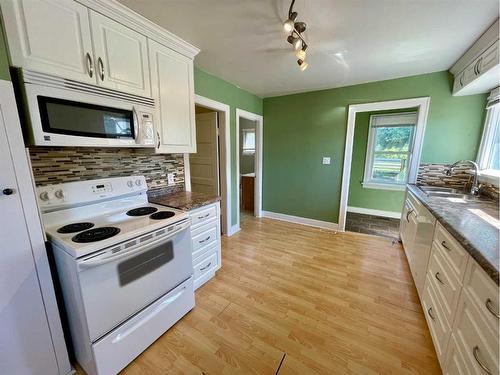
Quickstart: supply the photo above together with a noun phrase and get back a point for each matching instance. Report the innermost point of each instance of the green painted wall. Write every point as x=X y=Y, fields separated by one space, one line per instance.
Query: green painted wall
x=4 y=59
x=377 y=199
x=217 y=89
x=300 y=129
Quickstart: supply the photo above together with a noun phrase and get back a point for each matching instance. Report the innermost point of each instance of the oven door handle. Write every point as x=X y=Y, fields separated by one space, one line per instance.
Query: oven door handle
x=100 y=260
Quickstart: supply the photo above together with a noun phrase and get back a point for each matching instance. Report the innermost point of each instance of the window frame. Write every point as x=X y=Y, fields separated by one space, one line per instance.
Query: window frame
x=387 y=120
x=491 y=127
x=248 y=151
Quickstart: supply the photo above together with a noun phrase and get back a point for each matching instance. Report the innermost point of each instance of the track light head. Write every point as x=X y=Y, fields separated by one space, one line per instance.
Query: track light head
x=302 y=64
x=300 y=27
x=288 y=26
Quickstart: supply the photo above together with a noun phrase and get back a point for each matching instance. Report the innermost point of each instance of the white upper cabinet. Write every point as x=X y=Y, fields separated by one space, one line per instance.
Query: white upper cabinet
x=121 y=56
x=50 y=36
x=173 y=91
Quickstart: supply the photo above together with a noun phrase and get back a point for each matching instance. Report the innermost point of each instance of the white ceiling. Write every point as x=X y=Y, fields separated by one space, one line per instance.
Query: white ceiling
x=350 y=41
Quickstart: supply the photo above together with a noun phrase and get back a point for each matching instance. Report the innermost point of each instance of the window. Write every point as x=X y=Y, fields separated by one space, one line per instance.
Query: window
x=389 y=151
x=248 y=141
x=488 y=157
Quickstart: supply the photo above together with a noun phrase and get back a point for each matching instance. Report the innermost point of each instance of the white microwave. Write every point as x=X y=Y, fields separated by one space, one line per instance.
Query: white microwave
x=62 y=112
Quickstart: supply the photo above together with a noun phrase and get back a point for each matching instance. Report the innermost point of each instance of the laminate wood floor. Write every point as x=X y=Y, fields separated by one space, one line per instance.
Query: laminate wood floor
x=291 y=299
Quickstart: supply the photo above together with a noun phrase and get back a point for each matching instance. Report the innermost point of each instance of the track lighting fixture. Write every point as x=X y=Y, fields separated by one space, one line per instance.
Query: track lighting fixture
x=294 y=29
x=302 y=64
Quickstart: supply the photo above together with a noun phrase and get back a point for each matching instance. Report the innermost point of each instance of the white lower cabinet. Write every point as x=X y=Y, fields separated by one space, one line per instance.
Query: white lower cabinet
x=460 y=301
x=205 y=242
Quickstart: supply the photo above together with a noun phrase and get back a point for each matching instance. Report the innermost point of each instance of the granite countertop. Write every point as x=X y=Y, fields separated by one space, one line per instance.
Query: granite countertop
x=474 y=223
x=184 y=200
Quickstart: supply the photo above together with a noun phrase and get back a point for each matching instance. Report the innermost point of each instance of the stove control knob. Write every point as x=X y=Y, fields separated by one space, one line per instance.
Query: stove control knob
x=130 y=183
x=44 y=196
x=138 y=182
x=59 y=194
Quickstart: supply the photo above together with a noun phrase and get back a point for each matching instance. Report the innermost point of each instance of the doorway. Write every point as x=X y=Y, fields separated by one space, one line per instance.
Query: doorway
x=383 y=147
x=209 y=170
x=249 y=164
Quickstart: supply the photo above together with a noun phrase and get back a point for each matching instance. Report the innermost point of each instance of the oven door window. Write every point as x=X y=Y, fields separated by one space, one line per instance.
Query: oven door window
x=73 y=118
x=145 y=263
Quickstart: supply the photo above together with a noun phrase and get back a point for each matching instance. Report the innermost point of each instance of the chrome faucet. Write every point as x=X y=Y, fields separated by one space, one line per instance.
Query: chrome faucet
x=475 y=185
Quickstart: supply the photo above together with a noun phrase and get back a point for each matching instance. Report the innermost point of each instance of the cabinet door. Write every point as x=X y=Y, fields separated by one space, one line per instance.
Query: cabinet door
x=173 y=91
x=25 y=340
x=121 y=56
x=50 y=36
x=488 y=59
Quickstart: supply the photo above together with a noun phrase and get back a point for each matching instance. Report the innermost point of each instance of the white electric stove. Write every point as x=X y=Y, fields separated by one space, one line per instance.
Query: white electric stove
x=124 y=266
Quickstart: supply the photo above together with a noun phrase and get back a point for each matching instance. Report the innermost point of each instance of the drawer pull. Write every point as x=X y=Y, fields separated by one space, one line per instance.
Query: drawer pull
x=204 y=268
x=429 y=311
x=205 y=240
x=204 y=216
x=438 y=278
x=408 y=215
x=483 y=366
x=490 y=308
x=443 y=243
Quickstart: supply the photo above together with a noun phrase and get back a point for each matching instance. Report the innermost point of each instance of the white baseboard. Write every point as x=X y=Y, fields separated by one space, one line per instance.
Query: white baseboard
x=369 y=211
x=301 y=220
x=233 y=230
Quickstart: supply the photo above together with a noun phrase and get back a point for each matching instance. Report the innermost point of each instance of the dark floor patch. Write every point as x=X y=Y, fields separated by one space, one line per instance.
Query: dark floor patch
x=369 y=224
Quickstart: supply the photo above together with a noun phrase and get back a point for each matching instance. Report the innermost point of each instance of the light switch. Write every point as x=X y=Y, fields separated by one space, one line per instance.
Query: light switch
x=170 y=178
x=326 y=160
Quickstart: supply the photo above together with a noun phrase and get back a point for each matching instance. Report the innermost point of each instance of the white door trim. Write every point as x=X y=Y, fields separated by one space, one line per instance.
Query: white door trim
x=224 y=159
x=423 y=110
x=259 y=135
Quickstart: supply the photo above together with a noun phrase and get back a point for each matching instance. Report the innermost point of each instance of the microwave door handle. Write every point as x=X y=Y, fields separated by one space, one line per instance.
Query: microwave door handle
x=99 y=261
x=136 y=127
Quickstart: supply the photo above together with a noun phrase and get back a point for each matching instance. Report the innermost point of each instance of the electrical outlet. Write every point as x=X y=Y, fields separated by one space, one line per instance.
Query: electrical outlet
x=326 y=160
x=170 y=178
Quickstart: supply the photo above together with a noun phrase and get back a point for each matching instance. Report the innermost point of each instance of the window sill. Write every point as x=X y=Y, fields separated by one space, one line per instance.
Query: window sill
x=382 y=186
x=490 y=176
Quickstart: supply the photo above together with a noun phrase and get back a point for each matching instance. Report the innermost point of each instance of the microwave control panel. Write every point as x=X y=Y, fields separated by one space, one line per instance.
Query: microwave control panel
x=146 y=132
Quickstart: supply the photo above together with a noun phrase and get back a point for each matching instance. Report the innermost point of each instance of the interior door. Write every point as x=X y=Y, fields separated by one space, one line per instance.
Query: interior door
x=121 y=56
x=173 y=91
x=50 y=36
x=204 y=165
x=25 y=343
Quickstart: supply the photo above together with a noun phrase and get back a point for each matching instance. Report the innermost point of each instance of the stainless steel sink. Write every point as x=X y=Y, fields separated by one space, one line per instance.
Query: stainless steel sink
x=438 y=189
x=450 y=195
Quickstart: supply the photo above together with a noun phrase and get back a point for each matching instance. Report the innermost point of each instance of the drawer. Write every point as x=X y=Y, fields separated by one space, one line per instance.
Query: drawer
x=445 y=283
x=204 y=237
x=456 y=363
x=474 y=336
x=438 y=325
x=136 y=334
x=202 y=215
x=207 y=266
x=483 y=293
x=456 y=256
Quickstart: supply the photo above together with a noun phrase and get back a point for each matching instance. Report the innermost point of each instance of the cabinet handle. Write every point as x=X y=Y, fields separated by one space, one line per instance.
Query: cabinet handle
x=462 y=79
x=438 y=278
x=90 y=65
x=204 y=268
x=490 y=308
x=158 y=136
x=205 y=240
x=8 y=191
x=408 y=215
x=475 y=352
x=101 y=68
x=443 y=243
x=429 y=311
x=204 y=216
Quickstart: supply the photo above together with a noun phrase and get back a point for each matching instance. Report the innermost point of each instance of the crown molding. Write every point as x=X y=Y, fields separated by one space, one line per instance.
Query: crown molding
x=126 y=16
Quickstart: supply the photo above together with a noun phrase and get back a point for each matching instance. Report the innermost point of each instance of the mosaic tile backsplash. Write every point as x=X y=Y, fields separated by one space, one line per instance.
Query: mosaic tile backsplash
x=434 y=174
x=53 y=165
